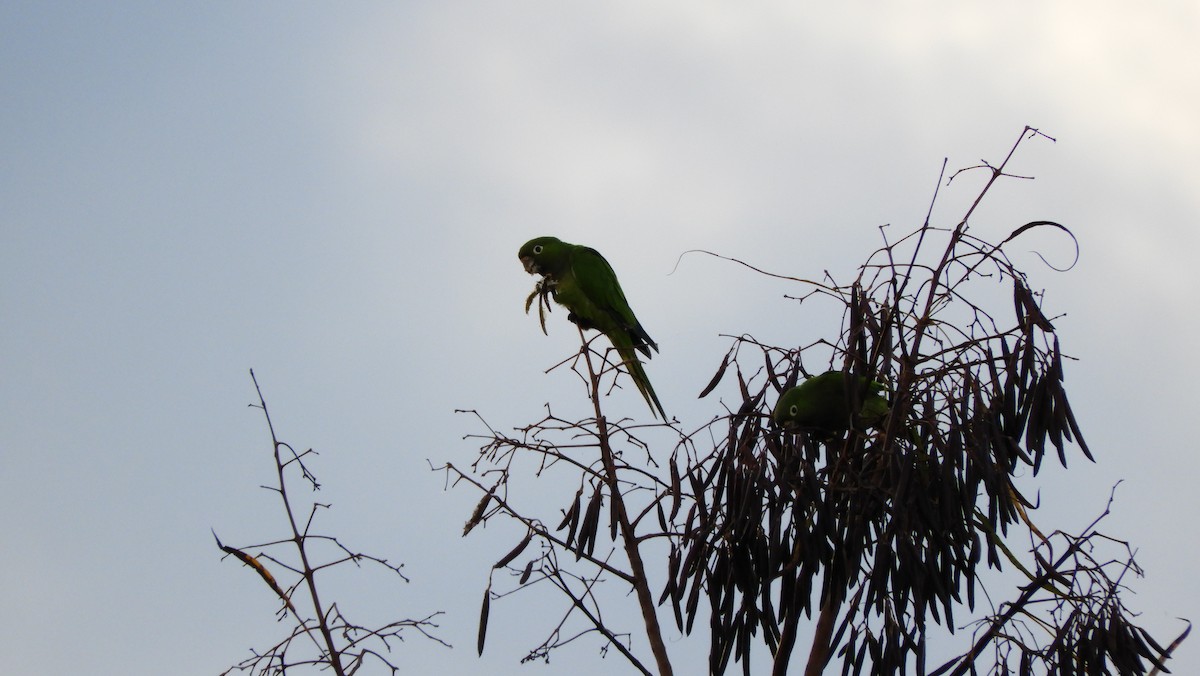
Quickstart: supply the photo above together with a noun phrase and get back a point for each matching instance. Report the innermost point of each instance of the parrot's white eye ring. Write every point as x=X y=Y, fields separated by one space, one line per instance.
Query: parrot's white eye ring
x=793 y=410
x=537 y=249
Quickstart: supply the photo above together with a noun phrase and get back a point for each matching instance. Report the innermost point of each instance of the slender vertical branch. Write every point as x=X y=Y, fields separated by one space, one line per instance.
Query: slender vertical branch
x=335 y=657
x=818 y=655
x=637 y=568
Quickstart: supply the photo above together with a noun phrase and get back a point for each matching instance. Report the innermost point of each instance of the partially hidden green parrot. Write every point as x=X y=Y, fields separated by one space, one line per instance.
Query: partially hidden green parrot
x=581 y=280
x=821 y=404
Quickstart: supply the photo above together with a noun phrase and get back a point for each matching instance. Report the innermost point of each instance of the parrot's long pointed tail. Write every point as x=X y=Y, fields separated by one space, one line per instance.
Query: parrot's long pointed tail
x=638 y=373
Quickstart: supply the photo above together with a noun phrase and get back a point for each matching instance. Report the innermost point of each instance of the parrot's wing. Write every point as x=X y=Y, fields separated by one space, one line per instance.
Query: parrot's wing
x=599 y=283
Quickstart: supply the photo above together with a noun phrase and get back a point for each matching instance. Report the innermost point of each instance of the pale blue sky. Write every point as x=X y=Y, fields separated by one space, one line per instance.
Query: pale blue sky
x=334 y=196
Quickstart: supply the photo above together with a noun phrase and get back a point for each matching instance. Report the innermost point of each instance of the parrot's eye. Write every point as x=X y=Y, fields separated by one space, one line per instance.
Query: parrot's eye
x=537 y=249
x=793 y=410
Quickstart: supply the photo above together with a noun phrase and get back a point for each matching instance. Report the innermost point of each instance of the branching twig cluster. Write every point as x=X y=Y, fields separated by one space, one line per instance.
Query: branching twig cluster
x=616 y=491
x=321 y=636
x=1068 y=616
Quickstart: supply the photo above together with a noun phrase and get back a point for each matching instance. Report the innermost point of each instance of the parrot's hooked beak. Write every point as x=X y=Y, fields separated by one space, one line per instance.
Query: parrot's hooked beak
x=530 y=266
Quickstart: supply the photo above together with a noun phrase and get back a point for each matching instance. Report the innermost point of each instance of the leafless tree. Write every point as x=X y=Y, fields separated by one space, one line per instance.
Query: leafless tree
x=876 y=536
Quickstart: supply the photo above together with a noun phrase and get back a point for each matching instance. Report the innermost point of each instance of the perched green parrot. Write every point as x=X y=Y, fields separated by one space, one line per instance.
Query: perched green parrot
x=821 y=404
x=581 y=280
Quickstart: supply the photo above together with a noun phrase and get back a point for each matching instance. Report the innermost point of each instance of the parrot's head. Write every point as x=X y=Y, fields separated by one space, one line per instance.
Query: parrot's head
x=787 y=410
x=543 y=255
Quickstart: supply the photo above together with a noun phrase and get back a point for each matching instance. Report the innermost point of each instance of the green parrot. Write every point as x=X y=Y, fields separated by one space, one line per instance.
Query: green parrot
x=821 y=403
x=581 y=280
